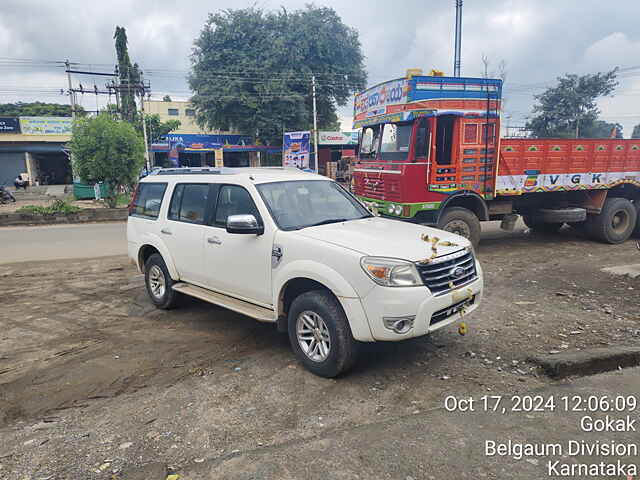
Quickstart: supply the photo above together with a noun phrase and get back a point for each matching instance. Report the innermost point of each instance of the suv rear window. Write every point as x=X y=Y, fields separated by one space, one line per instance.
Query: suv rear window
x=148 y=200
x=189 y=202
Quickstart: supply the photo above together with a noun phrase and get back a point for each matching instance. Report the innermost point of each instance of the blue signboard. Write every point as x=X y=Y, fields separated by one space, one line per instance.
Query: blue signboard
x=295 y=149
x=197 y=138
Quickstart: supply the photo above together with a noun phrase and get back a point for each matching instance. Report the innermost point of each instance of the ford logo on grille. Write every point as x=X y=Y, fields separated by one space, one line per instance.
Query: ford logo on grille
x=457 y=272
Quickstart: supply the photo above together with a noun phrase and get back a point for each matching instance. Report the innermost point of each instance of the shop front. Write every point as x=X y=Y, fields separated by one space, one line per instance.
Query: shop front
x=335 y=149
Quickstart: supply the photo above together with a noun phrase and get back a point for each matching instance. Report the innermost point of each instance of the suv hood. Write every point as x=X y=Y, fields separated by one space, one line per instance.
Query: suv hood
x=383 y=237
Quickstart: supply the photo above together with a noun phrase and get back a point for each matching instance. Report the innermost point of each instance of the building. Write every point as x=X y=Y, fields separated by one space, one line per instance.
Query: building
x=199 y=150
x=192 y=146
x=35 y=147
x=332 y=146
x=175 y=110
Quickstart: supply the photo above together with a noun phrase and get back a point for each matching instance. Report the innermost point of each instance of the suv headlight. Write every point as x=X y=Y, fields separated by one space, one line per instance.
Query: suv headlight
x=391 y=272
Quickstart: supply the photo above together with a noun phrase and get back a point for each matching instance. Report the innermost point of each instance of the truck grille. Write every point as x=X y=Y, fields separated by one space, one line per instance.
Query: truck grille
x=446 y=273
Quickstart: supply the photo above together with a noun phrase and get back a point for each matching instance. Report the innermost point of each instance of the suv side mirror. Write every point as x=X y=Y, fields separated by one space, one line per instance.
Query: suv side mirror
x=246 y=224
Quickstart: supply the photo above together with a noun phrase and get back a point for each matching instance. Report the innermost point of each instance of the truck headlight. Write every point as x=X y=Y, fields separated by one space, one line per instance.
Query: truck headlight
x=391 y=272
x=398 y=209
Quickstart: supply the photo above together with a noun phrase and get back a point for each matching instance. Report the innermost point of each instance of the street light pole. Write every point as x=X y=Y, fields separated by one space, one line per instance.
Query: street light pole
x=315 y=121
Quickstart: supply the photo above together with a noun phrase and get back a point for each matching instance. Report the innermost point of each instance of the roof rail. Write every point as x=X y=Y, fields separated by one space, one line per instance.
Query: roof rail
x=194 y=171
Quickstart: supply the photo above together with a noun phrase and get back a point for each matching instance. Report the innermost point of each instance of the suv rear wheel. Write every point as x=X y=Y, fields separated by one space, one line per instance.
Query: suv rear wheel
x=159 y=283
x=320 y=335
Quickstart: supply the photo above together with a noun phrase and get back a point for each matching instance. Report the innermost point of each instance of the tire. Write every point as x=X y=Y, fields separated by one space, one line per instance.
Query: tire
x=636 y=231
x=561 y=215
x=321 y=308
x=159 y=283
x=615 y=223
x=461 y=221
x=537 y=225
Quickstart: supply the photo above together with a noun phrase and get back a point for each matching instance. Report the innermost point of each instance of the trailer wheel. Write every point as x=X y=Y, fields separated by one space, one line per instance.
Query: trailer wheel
x=615 y=223
x=461 y=221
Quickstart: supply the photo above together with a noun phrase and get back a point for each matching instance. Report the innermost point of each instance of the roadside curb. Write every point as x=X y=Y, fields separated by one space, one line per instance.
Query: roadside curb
x=587 y=362
x=83 y=216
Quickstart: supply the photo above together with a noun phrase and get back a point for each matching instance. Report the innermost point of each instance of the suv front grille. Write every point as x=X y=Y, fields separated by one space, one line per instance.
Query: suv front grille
x=448 y=272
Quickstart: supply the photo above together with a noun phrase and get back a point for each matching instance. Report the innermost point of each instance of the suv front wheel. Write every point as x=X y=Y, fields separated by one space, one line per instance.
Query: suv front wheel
x=320 y=334
x=159 y=283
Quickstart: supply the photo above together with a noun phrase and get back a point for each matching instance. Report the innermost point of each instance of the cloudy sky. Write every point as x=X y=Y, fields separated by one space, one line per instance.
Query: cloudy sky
x=537 y=39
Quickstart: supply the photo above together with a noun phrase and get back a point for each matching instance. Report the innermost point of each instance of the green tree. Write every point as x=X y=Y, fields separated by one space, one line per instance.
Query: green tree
x=35 y=109
x=251 y=70
x=156 y=128
x=107 y=150
x=601 y=129
x=129 y=76
x=166 y=98
x=569 y=109
x=636 y=132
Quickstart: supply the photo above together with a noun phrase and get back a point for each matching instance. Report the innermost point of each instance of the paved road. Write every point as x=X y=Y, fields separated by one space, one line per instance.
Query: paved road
x=54 y=242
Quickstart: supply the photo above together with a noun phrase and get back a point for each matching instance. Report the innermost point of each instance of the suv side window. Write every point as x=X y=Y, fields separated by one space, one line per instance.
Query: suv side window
x=189 y=202
x=234 y=200
x=148 y=200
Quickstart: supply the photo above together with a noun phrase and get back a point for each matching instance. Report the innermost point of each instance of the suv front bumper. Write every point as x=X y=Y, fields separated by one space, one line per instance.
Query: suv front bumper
x=431 y=312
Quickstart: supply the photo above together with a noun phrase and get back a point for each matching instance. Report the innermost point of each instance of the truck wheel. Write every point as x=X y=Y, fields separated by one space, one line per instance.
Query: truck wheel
x=636 y=231
x=461 y=221
x=159 y=283
x=615 y=223
x=537 y=225
x=320 y=335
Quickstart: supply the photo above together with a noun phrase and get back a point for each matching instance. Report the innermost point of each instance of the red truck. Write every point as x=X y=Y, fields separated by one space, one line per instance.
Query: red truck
x=430 y=152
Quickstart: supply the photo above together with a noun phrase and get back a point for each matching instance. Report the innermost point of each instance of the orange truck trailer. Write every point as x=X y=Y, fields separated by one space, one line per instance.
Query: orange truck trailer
x=430 y=152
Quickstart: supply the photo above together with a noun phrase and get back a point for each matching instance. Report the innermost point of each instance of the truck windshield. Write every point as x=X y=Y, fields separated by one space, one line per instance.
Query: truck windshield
x=369 y=143
x=305 y=203
x=395 y=141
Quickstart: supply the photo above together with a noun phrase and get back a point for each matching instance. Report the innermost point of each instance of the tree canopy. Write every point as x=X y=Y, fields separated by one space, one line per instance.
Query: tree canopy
x=636 y=132
x=569 y=109
x=156 y=128
x=104 y=149
x=35 y=109
x=252 y=69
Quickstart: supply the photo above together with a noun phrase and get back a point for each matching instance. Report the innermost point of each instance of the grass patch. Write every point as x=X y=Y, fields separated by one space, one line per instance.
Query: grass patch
x=58 y=206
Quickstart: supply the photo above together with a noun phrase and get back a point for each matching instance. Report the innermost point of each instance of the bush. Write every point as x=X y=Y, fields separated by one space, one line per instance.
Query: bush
x=59 y=206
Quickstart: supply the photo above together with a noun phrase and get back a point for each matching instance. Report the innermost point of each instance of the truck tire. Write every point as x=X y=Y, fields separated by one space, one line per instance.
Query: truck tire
x=561 y=215
x=159 y=283
x=636 y=231
x=461 y=221
x=320 y=335
x=615 y=223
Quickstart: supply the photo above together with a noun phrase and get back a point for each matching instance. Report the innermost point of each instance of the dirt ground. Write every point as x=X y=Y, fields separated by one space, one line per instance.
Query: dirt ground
x=97 y=383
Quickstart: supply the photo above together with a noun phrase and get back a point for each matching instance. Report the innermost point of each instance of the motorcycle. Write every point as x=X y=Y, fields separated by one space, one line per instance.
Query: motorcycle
x=6 y=196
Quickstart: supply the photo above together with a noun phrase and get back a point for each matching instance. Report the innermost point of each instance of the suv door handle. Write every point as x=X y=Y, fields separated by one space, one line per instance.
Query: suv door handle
x=214 y=240
x=166 y=231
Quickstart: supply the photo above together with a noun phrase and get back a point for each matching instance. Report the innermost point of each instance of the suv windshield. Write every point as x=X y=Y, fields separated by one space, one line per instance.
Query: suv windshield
x=305 y=203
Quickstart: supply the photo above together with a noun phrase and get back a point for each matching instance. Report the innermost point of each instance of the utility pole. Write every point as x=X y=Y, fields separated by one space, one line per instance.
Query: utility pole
x=144 y=126
x=457 y=60
x=71 y=100
x=315 y=121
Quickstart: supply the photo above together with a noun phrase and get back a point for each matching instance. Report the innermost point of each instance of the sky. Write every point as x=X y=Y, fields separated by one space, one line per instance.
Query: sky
x=537 y=40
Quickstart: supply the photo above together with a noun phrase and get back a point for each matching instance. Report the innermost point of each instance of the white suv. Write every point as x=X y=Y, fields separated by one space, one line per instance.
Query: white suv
x=297 y=249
